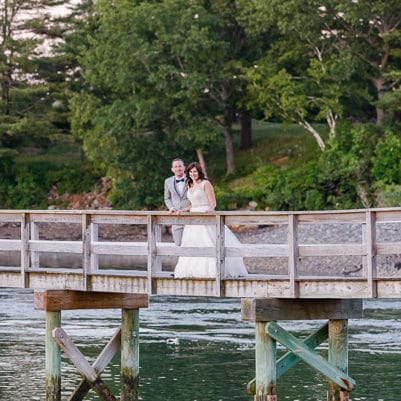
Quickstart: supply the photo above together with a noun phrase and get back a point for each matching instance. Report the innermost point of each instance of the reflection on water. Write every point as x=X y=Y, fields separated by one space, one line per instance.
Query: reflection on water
x=192 y=349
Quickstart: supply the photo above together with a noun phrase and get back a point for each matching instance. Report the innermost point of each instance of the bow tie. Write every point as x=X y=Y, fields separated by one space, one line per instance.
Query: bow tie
x=181 y=180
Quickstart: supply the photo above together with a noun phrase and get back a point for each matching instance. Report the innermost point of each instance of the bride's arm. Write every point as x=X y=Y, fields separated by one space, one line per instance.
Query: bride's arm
x=211 y=198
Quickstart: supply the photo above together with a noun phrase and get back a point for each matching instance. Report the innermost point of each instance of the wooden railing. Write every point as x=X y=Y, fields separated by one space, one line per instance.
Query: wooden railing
x=333 y=254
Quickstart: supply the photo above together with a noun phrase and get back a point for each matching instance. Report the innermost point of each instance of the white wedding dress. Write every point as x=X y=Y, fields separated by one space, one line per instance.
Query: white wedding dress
x=205 y=236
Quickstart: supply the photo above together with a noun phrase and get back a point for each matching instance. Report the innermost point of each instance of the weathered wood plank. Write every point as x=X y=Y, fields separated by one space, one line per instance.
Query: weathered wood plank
x=35 y=256
x=99 y=365
x=188 y=218
x=332 y=250
x=337 y=355
x=53 y=358
x=306 y=309
x=265 y=360
x=94 y=257
x=10 y=216
x=258 y=250
x=86 y=250
x=371 y=253
x=309 y=356
x=293 y=257
x=76 y=357
x=55 y=300
x=289 y=359
x=119 y=248
x=168 y=250
x=25 y=230
x=56 y=217
x=55 y=246
x=348 y=217
x=388 y=248
x=10 y=245
x=388 y=216
x=219 y=254
x=129 y=355
x=119 y=219
x=253 y=219
x=154 y=262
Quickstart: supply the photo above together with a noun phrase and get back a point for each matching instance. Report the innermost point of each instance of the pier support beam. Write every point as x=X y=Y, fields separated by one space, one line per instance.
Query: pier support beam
x=129 y=355
x=338 y=356
x=126 y=338
x=265 y=355
x=53 y=358
x=265 y=311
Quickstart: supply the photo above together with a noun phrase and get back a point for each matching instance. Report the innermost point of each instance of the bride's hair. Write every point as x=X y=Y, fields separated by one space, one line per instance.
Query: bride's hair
x=200 y=172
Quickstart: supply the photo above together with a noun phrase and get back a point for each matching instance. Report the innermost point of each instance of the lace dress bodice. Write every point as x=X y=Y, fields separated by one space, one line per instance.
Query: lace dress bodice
x=198 y=198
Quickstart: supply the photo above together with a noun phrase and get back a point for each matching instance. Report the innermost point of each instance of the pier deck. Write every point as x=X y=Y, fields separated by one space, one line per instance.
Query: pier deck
x=362 y=261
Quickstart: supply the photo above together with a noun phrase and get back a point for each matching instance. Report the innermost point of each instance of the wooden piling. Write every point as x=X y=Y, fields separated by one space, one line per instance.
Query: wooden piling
x=53 y=358
x=129 y=355
x=338 y=356
x=265 y=356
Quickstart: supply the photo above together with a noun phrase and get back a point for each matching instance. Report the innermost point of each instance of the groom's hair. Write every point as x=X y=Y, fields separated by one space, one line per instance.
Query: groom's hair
x=178 y=160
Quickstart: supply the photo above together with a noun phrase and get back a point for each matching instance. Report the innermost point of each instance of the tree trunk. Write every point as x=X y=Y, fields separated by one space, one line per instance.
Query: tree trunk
x=302 y=122
x=228 y=135
x=379 y=84
x=201 y=160
x=379 y=116
x=246 y=129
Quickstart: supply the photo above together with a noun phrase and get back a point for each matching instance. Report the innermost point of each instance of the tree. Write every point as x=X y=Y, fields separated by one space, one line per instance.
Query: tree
x=305 y=72
x=372 y=32
x=166 y=70
x=32 y=77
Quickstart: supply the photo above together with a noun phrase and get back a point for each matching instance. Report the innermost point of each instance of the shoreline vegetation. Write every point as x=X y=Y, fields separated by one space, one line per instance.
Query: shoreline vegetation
x=64 y=179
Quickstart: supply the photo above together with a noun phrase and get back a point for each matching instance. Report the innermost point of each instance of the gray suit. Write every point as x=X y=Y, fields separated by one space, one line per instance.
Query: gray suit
x=175 y=200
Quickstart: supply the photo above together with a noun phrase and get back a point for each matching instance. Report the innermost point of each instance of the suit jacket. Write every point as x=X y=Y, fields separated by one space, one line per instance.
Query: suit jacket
x=172 y=197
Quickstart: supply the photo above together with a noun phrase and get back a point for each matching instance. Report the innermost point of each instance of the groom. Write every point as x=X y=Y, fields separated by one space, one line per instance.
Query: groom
x=175 y=195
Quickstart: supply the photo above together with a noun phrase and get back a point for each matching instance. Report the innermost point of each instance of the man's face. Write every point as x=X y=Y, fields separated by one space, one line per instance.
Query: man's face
x=178 y=168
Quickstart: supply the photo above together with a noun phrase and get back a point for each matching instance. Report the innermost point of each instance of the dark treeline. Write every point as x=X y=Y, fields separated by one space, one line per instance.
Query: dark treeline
x=129 y=85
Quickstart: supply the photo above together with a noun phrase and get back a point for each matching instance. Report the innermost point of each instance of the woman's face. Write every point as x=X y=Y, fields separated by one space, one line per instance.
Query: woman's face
x=194 y=174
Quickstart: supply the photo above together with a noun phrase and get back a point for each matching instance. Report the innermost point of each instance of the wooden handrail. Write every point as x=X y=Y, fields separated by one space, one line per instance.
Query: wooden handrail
x=369 y=247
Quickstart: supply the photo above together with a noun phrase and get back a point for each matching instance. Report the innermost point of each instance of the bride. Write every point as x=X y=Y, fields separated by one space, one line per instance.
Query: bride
x=201 y=195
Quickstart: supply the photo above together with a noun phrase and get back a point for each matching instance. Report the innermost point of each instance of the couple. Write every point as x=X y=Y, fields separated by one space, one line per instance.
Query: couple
x=189 y=191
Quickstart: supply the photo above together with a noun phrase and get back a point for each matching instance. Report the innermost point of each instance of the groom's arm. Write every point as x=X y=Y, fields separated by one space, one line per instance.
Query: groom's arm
x=167 y=197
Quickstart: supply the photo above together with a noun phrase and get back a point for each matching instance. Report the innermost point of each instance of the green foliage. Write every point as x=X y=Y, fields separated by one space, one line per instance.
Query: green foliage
x=235 y=198
x=143 y=164
x=386 y=161
x=24 y=184
x=388 y=195
x=27 y=194
x=339 y=178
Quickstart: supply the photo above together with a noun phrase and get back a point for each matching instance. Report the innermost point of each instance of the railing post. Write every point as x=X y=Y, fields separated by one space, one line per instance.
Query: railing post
x=338 y=356
x=265 y=357
x=35 y=261
x=220 y=255
x=25 y=227
x=371 y=253
x=94 y=258
x=154 y=261
x=293 y=254
x=86 y=250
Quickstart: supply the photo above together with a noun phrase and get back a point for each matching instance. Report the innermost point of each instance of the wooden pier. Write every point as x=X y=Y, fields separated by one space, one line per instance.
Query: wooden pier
x=373 y=255
x=304 y=275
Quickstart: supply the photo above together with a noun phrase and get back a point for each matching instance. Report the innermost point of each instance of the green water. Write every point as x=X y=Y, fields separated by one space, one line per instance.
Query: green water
x=193 y=350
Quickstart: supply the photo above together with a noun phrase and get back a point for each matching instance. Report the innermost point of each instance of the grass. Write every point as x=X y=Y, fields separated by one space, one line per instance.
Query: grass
x=283 y=145
x=59 y=153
